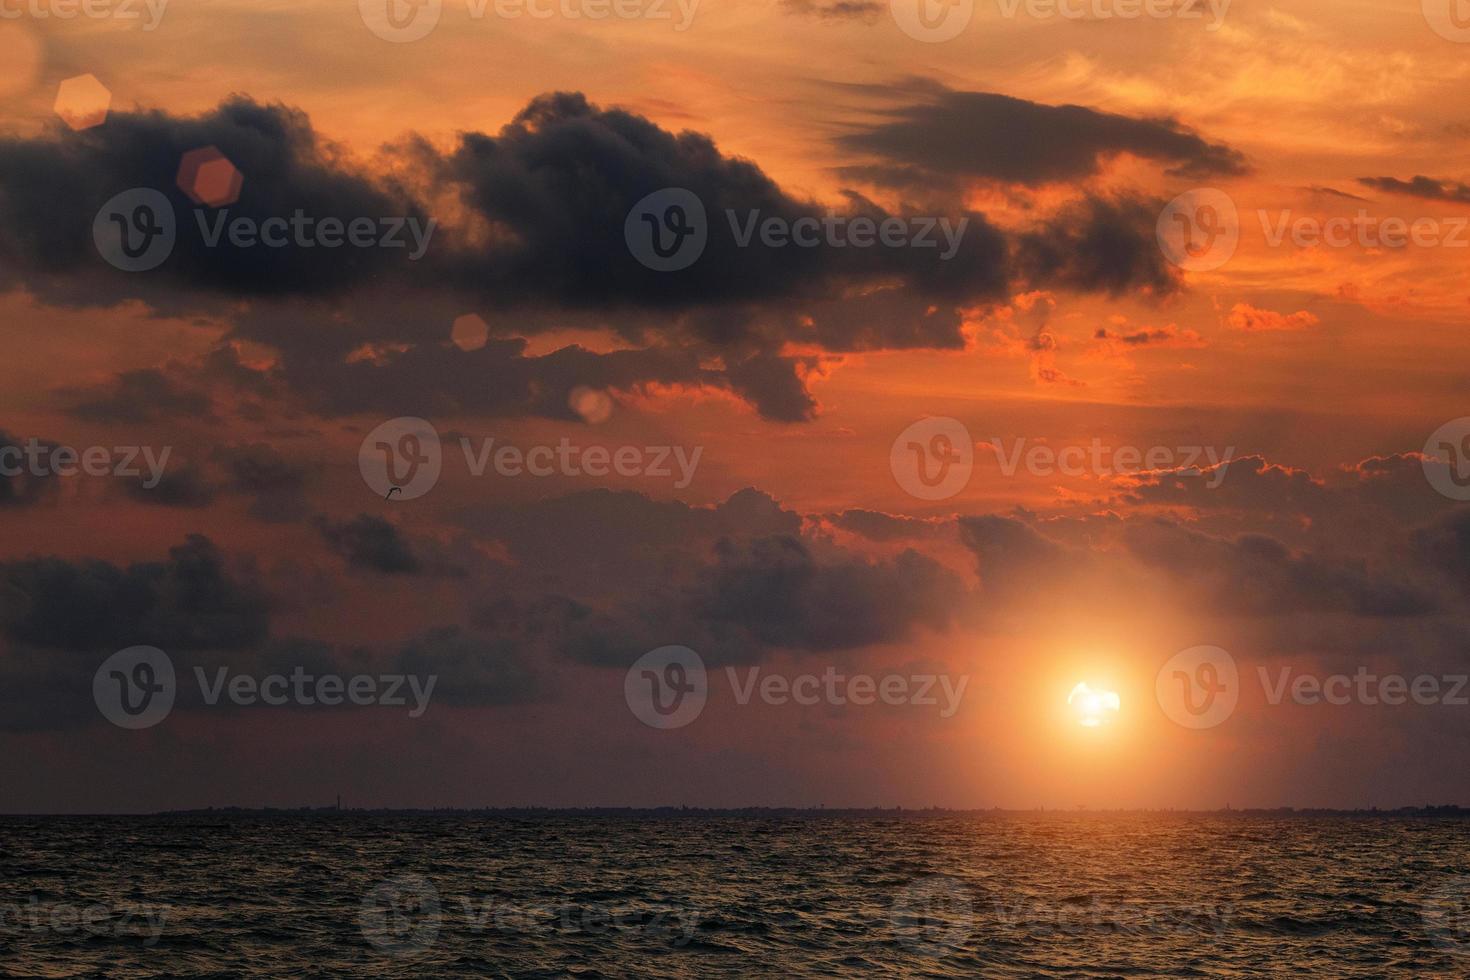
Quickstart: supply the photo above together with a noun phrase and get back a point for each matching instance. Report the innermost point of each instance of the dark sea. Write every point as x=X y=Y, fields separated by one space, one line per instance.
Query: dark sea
x=1044 y=895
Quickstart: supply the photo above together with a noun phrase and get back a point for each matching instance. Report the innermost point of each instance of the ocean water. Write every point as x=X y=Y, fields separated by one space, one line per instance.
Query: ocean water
x=1045 y=895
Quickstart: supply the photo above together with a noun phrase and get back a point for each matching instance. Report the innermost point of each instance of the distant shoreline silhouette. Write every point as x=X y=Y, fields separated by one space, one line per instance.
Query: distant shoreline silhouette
x=673 y=812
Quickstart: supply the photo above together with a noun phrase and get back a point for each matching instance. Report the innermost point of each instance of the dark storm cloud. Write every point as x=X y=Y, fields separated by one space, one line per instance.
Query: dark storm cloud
x=369 y=542
x=1425 y=187
x=878 y=526
x=1375 y=499
x=497 y=381
x=589 y=533
x=1010 y=553
x=186 y=486
x=536 y=234
x=18 y=486
x=1255 y=574
x=951 y=137
x=1444 y=544
x=1097 y=244
x=777 y=592
x=1155 y=336
x=1332 y=192
x=772 y=385
x=475 y=668
x=187 y=602
x=275 y=484
x=755 y=595
x=1246 y=483
x=864 y=10
x=51 y=189
x=42 y=689
x=622 y=573
x=562 y=177
x=144 y=395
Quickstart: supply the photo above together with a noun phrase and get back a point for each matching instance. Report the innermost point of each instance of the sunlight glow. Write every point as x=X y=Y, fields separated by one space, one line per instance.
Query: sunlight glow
x=1093 y=708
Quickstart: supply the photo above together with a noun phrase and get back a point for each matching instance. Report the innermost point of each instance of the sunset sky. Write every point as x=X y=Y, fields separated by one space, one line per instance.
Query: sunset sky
x=1327 y=545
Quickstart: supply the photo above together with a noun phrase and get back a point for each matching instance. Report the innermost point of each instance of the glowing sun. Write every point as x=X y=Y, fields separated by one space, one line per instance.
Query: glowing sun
x=1093 y=708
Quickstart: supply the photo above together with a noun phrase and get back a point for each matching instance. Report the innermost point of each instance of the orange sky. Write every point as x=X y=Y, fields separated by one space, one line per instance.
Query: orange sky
x=1316 y=360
